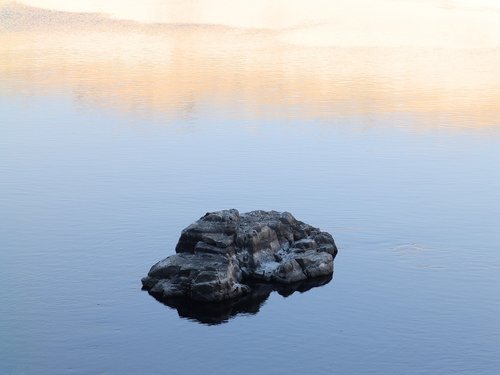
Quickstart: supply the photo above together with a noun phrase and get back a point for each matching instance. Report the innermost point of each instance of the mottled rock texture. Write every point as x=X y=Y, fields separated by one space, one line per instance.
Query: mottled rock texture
x=221 y=253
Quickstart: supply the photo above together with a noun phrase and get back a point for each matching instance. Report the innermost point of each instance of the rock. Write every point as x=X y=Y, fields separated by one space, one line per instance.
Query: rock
x=221 y=253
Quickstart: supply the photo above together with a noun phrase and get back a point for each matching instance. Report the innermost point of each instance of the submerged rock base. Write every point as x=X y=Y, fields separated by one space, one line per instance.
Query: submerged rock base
x=219 y=255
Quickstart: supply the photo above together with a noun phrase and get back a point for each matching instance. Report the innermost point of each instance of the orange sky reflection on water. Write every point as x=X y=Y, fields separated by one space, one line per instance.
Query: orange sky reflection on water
x=172 y=70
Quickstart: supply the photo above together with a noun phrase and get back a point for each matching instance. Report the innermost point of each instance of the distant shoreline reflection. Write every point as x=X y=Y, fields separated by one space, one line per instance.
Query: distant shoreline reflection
x=218 y=313
x=174 y=72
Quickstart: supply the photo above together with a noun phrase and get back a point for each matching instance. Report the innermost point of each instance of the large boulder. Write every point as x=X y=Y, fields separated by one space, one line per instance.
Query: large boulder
x=221 y=253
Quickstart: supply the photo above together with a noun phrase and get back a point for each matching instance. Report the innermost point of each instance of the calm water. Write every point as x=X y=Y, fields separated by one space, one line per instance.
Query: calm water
x=106 y=154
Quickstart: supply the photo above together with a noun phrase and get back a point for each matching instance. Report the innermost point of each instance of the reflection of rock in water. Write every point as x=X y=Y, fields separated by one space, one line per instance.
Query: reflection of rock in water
x=221 y=312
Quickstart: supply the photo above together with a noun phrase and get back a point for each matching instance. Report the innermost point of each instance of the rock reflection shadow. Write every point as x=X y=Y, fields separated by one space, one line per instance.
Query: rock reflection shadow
x=250 y=304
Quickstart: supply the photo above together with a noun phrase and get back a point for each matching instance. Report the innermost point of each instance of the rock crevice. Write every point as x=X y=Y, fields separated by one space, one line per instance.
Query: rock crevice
x=218 y=255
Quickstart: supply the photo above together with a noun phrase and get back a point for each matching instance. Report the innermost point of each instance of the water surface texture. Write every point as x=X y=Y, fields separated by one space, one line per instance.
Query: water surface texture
x=377 y=121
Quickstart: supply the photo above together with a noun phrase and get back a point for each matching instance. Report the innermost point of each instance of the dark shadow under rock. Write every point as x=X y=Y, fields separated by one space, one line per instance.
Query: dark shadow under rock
x=212 y=313
x=222 y=254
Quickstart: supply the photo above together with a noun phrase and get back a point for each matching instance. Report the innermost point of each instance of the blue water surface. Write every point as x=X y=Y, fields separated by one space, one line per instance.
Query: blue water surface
x=90 y=198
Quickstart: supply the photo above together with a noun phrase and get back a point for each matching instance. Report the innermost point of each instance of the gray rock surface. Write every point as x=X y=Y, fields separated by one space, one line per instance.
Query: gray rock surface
x=218 y=255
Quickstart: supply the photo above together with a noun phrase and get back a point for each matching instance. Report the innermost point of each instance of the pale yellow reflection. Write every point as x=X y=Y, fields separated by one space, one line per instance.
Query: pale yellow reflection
x=283 y=60
x=438 y=23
